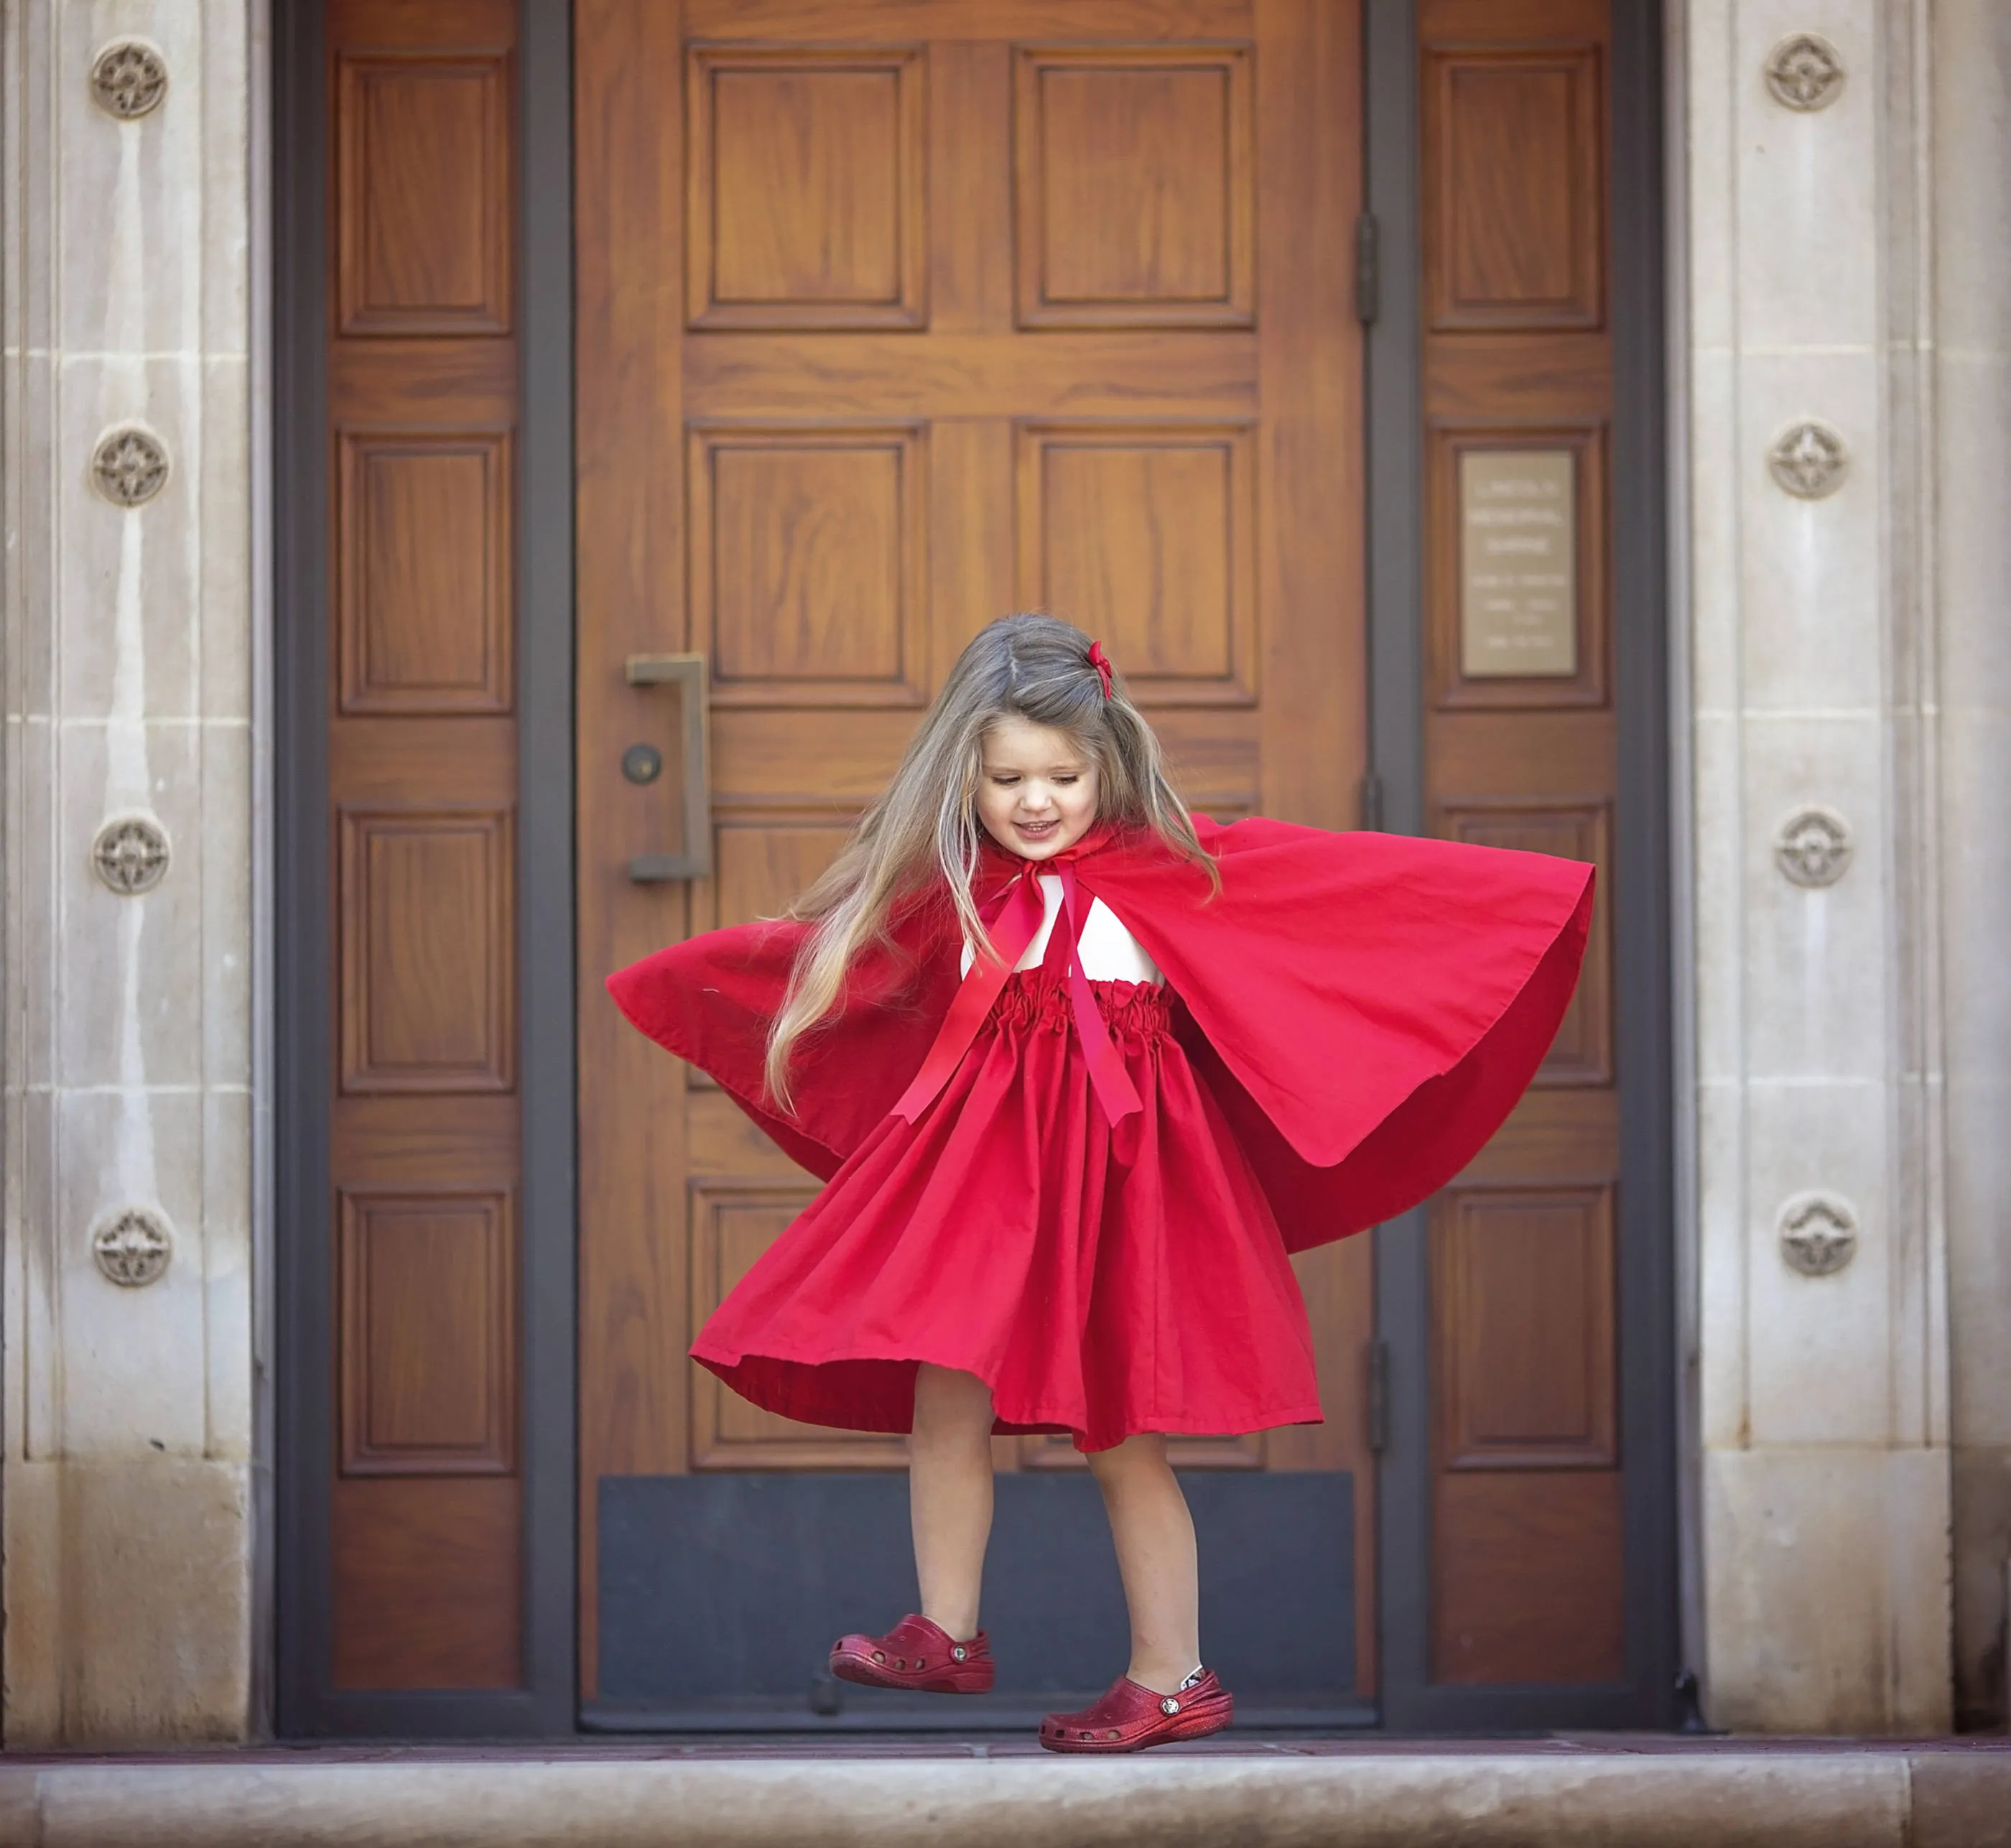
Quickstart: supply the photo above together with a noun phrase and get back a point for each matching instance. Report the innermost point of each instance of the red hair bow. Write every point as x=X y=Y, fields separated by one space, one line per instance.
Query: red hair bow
x=1101 y=662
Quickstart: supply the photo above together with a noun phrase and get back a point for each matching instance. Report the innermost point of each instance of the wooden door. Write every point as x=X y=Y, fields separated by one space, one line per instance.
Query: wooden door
x=424 y=1484
x=891 y=319
x=1527 y=1566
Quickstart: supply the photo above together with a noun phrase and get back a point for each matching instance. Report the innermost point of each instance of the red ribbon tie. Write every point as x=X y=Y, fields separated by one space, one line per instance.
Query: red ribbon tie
x=1012 y=921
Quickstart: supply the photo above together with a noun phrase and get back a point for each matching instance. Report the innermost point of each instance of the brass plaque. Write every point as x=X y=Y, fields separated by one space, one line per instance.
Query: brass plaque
x=1517 y=564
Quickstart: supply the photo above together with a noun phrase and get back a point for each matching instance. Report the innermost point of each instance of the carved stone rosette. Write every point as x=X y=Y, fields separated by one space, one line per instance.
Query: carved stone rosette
x=1804 y=72
x=129 y=466
x=128 y=79
x=131 y=854
x=133 y=1248
x=1809 y=459
x=1813 y=847
x=1818 y=1233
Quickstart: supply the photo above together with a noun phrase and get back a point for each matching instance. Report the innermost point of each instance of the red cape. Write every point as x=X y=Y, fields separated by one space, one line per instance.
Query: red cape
x=1365 y=1007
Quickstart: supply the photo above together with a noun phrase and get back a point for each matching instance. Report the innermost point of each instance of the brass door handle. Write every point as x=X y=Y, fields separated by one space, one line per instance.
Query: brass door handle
x=688 y=671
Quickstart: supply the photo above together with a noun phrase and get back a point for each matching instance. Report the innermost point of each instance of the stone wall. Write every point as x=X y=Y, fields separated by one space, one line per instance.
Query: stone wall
x=127 y=630
x=1971 y=170
x=1822 y=1318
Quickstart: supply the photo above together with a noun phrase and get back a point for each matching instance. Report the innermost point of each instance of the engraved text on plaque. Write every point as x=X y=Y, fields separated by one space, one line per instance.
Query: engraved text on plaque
x=1517 y=564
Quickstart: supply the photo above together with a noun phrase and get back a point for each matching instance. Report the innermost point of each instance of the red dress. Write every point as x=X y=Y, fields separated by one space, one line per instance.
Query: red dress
x=1085 y=1192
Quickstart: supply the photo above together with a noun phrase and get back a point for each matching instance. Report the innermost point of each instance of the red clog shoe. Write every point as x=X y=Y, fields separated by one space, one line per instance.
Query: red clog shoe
x=1130 y=1718
x=919 y=1656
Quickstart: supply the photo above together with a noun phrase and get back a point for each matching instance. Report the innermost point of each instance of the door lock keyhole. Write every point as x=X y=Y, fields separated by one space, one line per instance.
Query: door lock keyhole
x=642 y=764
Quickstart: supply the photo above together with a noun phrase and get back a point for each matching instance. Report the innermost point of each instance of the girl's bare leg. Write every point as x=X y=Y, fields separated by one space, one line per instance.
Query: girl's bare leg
x=949 y=1493
x=1156 y=1556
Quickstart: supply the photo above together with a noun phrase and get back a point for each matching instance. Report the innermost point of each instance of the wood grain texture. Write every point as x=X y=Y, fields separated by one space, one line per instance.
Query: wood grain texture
x=809 y=564
x=424 y=621
x=1515 y=141
x=1145 y=535
x=426 y=1557
x=806 y=197
x=965 y=373
x=433 y=257
x=1133 y=170
x=1523 y=1322
x=426 y=1333
x=1527 y=1554
x=426 y=924
x=1526 y=1583
x=427 y=1589
x=628 y=329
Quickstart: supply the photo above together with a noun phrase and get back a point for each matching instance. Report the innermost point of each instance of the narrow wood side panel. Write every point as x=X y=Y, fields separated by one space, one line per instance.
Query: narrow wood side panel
x=426 y=1333
x=425 y=1490
x=428 y=1587
x=425 y=214
x=1514 y=147
x=1528 y=1557
x=1527 y=1582
x=424 y=553
x=1523 y=1328
x=426 y=931
x=629 y=290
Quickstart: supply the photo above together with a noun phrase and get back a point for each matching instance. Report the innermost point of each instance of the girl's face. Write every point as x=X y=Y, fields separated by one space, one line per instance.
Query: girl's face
x=1036 y=789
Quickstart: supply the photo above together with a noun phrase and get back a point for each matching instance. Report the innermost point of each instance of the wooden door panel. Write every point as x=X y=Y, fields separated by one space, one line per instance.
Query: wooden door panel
x=762 y=864
x=426 y=1587
x=425 y=901
x=1566 y=1135
x=809 y=564
x=1531 y=1579
x=425 y=1334
x=426 y=1498
x=1523 y=1345
x=807 y=188
x=1133 y=171
x=422 y=527
x=1144 y=535
x=1526 y=1565
x=432 y=259
x=904 y=403
x=1514 y=147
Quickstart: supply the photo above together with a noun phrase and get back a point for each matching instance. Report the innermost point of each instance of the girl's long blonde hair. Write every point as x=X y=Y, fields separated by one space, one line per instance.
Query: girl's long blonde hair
x=925 y=829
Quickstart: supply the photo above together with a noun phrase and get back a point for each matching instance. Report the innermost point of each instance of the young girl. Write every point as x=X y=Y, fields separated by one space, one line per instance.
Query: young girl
x=1080 y=1070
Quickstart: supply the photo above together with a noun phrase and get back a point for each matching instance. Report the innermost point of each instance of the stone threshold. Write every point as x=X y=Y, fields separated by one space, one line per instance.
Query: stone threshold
x=1539 y=1793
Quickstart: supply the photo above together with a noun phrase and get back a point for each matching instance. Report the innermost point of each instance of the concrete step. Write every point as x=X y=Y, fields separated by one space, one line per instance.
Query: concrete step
x=1536 y=1794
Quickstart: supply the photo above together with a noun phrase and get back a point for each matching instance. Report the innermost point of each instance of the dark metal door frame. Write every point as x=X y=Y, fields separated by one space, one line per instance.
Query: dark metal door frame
x=308 y=1706
x=1646 y=1321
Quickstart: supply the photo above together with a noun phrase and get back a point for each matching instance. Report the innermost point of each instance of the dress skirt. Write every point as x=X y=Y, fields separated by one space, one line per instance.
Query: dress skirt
x=1096 y=1292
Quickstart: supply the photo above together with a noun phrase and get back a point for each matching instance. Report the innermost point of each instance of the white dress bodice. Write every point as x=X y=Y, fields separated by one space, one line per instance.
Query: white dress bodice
x=1109 y=952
